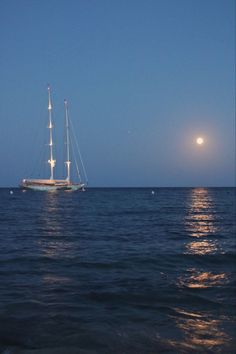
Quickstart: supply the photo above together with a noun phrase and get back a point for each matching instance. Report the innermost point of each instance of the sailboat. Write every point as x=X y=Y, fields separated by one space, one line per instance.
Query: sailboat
x=52 y=184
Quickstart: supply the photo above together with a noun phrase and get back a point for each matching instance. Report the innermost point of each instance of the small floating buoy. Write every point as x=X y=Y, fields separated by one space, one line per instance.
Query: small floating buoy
x=11 y=192
x=153 y=192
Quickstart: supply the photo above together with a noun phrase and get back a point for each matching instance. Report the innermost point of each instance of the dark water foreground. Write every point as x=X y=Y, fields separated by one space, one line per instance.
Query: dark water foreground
x=114 y=271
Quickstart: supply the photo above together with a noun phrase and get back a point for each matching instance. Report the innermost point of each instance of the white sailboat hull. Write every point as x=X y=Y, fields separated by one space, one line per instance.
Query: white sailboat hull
x=51 y=185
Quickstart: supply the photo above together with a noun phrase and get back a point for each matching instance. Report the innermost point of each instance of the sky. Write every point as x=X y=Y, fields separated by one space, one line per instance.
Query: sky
x=143 y=79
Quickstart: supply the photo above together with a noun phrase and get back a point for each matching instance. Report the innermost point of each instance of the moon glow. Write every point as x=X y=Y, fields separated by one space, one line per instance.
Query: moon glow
x=199 y=140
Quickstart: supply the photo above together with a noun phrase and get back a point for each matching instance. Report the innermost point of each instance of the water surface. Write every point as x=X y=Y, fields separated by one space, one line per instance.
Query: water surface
x=118 y=271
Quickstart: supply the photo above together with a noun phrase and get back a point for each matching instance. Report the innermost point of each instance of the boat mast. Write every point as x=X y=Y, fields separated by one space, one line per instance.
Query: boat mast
x=51 y=161
x=67 y=162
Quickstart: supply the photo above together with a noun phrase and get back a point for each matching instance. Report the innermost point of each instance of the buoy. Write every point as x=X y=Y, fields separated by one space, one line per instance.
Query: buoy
x=11 y=192
x=153 y=192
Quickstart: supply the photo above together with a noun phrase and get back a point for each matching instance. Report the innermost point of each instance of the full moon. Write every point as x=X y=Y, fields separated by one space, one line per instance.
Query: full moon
x=200 y=141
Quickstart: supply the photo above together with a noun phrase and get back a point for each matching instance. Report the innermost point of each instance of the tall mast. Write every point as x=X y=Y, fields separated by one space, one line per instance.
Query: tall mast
x=67 y=162
x=51 y=161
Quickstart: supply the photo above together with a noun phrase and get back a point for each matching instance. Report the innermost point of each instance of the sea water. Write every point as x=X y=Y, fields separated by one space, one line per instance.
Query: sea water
x=149 y=270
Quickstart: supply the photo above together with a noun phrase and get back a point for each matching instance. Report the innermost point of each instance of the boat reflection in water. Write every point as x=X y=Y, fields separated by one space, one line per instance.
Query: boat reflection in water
x=54 y=243
x=201 y=330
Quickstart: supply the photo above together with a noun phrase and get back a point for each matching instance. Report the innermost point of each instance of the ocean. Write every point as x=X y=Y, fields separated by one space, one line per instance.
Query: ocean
x=118 y=271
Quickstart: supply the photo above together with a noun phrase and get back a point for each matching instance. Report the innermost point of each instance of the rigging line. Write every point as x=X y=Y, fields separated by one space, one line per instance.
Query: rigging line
x=41 y=162
x=76 y=163
x=80 y=156
x=43 y=157
x=37 y=166
x=64 y=153
x=36 y=141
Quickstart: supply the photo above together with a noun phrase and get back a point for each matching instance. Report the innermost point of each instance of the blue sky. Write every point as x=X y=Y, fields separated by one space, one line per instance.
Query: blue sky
x=143 y=79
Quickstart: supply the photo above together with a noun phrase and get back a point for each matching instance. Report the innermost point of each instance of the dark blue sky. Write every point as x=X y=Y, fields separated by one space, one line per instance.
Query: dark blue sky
x=143 y=78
